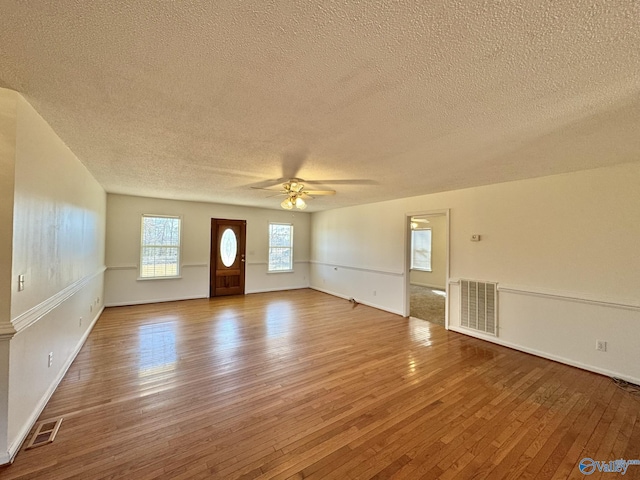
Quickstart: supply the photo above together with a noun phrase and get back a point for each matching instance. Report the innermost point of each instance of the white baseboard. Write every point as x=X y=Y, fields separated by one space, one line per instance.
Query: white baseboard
x=156 y=300
x=368 y=304
x=14 y=447
x=195 y=297
x=548 y=356
x=279 y=289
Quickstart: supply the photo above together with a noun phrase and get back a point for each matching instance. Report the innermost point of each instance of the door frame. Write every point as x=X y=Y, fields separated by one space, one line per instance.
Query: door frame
x=407 y=258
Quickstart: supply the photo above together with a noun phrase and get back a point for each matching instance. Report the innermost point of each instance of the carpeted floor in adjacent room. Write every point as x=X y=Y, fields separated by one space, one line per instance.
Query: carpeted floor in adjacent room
x=427 y=305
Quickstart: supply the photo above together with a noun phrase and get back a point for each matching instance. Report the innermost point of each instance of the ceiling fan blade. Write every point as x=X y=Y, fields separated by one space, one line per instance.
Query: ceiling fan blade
x=265 y=184
x=355 y=181
x=319 y=192
x=279 y=190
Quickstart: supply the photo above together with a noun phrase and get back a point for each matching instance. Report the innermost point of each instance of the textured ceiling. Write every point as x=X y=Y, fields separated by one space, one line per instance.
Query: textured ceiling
x=200 y=100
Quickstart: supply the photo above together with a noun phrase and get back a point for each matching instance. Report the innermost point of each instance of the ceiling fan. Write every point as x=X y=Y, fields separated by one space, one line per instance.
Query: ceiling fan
x=296 y=194
x=294 y=187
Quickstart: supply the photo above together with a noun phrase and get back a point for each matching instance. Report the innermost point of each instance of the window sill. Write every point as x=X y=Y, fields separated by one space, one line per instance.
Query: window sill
x=280 y=271
x=420 y=270
x=144 y=279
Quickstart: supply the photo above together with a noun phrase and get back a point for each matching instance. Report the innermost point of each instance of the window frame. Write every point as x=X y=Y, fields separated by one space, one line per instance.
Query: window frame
x=412 y=265
x=269 y=270
x=143 y=246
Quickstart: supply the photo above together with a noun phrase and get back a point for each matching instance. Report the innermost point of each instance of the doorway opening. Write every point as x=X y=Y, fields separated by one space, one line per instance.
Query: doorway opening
x=427 y=267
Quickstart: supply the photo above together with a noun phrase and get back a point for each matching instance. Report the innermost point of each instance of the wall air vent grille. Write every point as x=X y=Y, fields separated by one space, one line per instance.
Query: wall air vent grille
x=478 y=309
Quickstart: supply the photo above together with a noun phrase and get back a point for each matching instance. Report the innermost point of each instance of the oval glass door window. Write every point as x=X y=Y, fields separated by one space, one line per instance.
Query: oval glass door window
x=228 y=247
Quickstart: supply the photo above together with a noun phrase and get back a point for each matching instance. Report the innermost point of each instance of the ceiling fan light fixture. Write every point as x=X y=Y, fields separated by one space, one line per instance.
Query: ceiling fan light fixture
x=295 y=186
x=287 y=204
x=300 y=204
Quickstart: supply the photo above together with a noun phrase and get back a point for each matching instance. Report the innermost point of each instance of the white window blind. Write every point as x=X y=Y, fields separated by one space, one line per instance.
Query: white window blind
x=280 y=247
x=421 y=249
x=160 y=247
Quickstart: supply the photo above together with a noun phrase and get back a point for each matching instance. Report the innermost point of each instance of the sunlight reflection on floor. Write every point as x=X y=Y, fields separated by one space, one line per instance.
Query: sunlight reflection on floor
x=157 y=348
x=420 y=331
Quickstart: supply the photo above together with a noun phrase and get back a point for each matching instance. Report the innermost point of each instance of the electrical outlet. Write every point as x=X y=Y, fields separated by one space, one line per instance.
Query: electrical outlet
x=50 y=359
x=601 y=345
x=91 y=308
x=80 y=322
x=375 y=293
x=20 y=283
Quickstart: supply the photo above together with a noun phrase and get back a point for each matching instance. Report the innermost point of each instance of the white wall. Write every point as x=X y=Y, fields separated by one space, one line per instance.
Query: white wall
x=562 y=248
x=8 y=112
x=58 y=244
x=122 y=286
x=437 y=277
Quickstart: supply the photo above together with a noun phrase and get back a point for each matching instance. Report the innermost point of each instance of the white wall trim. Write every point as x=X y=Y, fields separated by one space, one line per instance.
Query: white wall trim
x=368 y=304
x=135 y=267
x=267 y=263
x=15 y=445
x=437 y=287
x=156 y=300
x=7 y=331
x=360 y=269
x=34 y=314
x=548 y=356
x=566 y=296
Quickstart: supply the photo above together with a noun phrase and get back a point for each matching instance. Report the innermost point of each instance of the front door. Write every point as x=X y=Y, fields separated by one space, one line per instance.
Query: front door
x=227 y=257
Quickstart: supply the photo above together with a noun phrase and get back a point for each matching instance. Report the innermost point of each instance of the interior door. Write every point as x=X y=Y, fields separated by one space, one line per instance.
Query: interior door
x=227 y=257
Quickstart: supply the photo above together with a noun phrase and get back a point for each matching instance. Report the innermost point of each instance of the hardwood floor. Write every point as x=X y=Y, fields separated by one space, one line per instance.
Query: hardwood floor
x=300 y=384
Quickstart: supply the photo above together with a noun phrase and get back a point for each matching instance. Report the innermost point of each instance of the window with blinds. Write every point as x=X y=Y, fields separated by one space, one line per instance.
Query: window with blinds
x=280 y=247
x=421 y=249
x=160 y=246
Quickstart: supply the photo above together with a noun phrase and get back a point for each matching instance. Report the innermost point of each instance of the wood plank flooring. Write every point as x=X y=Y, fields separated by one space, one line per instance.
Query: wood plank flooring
x=300 y=384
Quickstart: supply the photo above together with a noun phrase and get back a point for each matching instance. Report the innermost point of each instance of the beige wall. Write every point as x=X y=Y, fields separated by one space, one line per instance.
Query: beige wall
x=58 y=244
x=437 y=277
x=563 y=250
x=123 y=249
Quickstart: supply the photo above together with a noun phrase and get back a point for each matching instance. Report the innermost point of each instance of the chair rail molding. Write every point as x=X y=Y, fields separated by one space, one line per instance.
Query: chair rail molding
x=35 y=313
